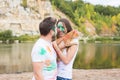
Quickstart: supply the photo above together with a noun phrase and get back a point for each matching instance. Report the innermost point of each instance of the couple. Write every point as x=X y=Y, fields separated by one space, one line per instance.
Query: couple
x=45 y=52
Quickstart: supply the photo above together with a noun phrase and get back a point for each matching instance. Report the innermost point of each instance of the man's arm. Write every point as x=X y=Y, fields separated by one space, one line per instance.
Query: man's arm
x=37 y=68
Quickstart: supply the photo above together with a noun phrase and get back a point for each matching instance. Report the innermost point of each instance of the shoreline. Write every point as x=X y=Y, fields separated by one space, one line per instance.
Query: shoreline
x=78 y=74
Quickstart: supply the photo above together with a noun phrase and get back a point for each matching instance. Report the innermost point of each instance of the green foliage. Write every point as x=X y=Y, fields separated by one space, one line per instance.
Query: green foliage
x=28 y=37
x=103 y=38
x=100 y=16
x=109 y=10
x=4 y=35
x=7 y=35
x=116 y=38
x=98 y=27
x=118 y=19
x=83 y=30
x=89 y=10
x=66 y=8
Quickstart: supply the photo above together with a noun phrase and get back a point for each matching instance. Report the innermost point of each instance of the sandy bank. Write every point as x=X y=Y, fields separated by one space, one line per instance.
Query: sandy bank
x=81 y=74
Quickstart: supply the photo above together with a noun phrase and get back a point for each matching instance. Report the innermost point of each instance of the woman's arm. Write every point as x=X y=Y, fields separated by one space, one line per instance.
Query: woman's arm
x=37 y=68
x=70 y=53
x=58 y=41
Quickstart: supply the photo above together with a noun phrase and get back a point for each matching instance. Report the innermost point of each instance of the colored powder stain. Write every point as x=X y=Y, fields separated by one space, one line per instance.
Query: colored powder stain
x=51 y=67
x=48 y=49
x=60 y=26
x=47 y=62
x=42 y=51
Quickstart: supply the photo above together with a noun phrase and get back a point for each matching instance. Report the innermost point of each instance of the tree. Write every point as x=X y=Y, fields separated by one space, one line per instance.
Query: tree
x=118 y=23
x=5 y=35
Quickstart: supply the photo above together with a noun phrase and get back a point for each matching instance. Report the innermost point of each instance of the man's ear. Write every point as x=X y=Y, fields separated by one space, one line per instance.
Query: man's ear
x=51 y=32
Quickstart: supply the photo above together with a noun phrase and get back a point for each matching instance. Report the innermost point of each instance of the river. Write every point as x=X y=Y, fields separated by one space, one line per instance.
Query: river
x=15 y=58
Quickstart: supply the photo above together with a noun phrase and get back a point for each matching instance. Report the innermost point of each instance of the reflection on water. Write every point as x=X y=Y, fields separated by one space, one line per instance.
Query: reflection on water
x=93 y=55
x=17 y=57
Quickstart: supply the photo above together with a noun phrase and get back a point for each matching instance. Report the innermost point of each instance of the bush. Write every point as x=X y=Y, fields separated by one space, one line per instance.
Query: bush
x=103 y=38
x=6 y=35
x=28 y=37
x=116 y=38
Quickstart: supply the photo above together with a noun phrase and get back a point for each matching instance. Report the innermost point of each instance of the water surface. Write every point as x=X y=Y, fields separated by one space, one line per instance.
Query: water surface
x=17 y=57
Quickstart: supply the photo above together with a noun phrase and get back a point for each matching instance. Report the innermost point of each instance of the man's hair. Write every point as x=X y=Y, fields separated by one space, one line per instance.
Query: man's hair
x=67 y=24
x=46 y=25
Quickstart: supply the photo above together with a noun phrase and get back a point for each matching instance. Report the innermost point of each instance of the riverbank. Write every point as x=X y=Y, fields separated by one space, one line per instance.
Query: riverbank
x=81 y=74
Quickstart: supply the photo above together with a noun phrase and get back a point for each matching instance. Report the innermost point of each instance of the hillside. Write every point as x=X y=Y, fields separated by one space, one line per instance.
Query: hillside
x=23 y=16
x=91 y=19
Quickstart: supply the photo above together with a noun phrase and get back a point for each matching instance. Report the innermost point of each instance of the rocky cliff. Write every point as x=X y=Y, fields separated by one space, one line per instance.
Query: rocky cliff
x=23 y=16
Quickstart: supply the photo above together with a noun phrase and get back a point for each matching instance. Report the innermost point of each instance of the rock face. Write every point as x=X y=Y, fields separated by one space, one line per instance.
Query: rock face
x=90 y=28
x=23 y=16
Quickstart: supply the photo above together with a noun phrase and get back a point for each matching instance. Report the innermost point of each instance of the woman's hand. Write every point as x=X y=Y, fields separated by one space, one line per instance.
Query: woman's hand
x=54 y=44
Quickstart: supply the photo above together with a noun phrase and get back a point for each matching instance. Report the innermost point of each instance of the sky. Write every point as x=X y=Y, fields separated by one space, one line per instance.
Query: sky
x=115 y=3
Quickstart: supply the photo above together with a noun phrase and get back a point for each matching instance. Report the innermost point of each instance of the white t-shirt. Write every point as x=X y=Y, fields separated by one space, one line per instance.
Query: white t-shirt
x=44 y=52
x=64 y=70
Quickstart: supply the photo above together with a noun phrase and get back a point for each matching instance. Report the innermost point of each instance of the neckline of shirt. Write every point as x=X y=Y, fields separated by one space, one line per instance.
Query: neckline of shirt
x=49 y=42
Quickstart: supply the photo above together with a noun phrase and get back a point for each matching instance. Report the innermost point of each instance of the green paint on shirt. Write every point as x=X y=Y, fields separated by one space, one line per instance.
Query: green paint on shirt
x=42 y=51
x=51 y=67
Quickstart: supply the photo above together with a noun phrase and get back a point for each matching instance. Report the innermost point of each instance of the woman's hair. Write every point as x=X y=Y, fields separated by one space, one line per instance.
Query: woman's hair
x=67 y=24
x=46 y=25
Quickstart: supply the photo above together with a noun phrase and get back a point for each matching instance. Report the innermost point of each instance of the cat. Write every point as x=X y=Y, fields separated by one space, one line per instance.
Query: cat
x=66 y=40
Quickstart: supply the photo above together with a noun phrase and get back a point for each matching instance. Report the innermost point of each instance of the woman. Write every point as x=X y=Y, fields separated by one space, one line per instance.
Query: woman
x=67 y=54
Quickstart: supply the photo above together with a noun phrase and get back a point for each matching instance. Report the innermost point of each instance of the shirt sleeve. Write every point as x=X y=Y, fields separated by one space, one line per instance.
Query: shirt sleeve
x=38 y=54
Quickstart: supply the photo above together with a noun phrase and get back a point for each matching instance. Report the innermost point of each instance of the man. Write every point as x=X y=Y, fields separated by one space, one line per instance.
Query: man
x=43 y=54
